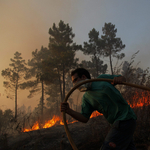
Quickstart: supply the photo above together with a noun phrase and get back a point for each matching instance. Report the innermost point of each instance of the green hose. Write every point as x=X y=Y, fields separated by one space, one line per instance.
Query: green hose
x=79 y=84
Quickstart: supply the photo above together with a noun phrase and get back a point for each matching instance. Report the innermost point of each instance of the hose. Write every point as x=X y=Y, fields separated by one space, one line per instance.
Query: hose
x=79 y=84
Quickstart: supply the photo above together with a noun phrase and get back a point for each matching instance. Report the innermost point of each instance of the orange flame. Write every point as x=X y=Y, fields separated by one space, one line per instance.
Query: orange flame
x=54 y=120
x=95 y=114
x=139 y=100
x=47 y=124
x=35 y=127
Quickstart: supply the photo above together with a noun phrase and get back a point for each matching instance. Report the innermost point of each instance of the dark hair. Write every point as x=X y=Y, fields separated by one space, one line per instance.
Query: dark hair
x=80 y=72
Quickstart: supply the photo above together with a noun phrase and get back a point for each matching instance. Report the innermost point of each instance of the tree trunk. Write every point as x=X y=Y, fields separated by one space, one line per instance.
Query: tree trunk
x=96 y=66
x=60 y=84
x=42 y=100
x=16 y=88
x=16 y=101
x=111 y=63
x=63 y=83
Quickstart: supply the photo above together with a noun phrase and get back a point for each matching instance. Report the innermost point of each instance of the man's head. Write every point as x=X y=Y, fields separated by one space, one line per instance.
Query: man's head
x=79 y=74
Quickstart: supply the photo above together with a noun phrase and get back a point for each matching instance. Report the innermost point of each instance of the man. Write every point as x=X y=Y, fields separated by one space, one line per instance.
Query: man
x=106 y=99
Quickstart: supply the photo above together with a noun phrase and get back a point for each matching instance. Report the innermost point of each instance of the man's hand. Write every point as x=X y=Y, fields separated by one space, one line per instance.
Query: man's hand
x=118 y=80
x=65 y=107
x=76 y=115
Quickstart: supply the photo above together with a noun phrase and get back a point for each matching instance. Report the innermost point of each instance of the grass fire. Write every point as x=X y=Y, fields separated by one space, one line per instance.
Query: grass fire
x=53 y=121
x=139 y=100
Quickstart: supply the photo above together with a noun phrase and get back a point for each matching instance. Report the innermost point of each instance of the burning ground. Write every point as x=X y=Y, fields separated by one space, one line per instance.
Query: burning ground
x=140 y=100
x=86 y=136
x=51 y=135
x=55 y=120
x=54 y=138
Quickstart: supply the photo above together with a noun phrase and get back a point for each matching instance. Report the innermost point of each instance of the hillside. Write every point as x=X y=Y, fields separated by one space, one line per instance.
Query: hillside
x=87 y=136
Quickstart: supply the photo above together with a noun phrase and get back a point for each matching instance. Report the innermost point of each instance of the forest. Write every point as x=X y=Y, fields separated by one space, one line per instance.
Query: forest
x=47 y=73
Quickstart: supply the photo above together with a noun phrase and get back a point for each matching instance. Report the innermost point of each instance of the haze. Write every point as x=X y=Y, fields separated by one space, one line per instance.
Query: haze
x=24 y=27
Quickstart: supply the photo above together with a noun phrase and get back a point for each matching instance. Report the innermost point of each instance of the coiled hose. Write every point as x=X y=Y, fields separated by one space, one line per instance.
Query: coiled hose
x=79 y=84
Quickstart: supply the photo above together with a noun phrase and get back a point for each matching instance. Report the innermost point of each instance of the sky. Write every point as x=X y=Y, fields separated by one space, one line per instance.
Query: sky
x=24 y=26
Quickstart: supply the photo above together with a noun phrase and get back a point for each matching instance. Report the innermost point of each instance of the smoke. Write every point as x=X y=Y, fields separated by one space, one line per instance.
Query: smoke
x=25 y=24
x=24 y=27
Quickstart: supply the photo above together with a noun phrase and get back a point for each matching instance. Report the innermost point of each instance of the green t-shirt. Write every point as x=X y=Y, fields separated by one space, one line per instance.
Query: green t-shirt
x=106 y=99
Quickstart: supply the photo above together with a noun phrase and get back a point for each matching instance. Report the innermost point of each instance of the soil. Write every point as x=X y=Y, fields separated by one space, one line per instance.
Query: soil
x=89 y=136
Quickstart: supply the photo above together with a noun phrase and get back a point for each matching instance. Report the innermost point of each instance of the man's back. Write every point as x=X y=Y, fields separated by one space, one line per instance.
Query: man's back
x=106 y=99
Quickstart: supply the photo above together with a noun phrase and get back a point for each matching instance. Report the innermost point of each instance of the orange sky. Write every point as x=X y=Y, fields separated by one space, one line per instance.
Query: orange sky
x=24 y=27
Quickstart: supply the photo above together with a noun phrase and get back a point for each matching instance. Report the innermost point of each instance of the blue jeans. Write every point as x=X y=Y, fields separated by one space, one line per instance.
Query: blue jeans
x=120 y=136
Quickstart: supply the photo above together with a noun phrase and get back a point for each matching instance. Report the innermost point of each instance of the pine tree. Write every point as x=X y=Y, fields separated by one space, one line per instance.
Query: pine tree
x=91 y=67
x=14 y=76
x=62 y=51
x=36 y=76
x=94 y=48
x=112 y=45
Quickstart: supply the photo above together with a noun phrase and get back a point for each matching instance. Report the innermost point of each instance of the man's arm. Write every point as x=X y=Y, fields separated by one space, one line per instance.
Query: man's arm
x=76 y=115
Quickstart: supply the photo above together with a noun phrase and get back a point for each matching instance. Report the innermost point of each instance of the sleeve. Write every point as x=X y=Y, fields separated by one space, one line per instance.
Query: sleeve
x=86 y=108
x=108 y=76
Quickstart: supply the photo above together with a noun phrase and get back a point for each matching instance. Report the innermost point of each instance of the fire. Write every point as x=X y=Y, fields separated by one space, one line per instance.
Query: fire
x=47 y=124
x=139 y=100
x=54 y=120
x=35 y=127
x=95 y=114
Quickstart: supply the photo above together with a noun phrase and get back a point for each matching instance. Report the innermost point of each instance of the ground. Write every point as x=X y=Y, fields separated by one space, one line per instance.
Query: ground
x=88 y=136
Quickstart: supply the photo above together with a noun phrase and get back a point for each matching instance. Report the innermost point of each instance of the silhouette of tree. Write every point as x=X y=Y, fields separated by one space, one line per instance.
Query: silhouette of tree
x=111 y=44
x=14 y=76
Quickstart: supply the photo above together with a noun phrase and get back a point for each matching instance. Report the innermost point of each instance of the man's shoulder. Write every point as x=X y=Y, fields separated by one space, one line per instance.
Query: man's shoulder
x=108 y=76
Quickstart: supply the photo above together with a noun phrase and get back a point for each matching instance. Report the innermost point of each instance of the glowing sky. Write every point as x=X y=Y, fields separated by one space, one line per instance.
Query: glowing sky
x=24 y=26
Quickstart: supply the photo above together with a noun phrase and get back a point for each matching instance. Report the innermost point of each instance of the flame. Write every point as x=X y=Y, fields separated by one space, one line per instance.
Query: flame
x=95 y=114
x=53 y=121
x=47 y=124
x=139 y=100
x=35 y=127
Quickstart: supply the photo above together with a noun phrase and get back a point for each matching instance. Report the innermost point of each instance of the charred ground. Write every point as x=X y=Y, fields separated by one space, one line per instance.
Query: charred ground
x=89 y=136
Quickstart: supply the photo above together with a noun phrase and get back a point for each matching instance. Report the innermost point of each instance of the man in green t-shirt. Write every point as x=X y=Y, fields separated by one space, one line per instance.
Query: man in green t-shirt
x=106 y=99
